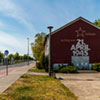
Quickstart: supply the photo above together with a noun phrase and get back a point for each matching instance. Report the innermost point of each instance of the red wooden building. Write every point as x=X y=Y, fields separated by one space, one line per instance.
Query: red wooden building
x=77 y=42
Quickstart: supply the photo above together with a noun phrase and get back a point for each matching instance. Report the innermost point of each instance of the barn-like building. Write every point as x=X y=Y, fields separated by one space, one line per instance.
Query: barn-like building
x=77 y=42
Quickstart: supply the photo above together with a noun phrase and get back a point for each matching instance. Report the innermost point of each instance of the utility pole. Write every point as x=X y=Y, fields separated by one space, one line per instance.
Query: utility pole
x=50 y=64
x=28 y=52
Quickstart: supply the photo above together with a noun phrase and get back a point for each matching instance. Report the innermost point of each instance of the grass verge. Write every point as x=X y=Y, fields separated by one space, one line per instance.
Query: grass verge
x=32 y=87
x=37 y=70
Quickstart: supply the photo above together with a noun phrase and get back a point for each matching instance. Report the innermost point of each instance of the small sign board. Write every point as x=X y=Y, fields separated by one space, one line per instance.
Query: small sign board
x=6 y=52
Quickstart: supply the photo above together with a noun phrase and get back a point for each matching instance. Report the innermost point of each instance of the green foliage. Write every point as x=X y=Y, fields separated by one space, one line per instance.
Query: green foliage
x=36 y=70
x=1 y=55
x=38 y=65
x=43 y=63
x=42 y=58
x=25 y=57
x=38 y=51
x=16 y=56
x=61 y=66
x=96 y=67
x=68 y=69
x=10 y=56
x=38 y=48
x=46 y=62
x=97 y=22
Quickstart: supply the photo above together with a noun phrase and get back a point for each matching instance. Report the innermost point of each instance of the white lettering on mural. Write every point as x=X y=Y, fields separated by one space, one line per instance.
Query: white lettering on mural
x=80 y=49
x=67 y=40
x=81 y=33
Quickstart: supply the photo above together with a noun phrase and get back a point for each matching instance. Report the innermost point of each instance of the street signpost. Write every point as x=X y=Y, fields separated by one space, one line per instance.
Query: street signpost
x=6 y=52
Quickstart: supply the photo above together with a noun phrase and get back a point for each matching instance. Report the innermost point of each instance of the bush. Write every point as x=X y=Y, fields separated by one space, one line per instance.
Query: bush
x=43 y=63
x=68 y=69
x=38 y=65
x=46 y=63
x=96 y=67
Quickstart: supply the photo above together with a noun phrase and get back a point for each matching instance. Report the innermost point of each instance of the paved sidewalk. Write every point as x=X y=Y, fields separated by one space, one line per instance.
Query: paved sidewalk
x=6 y=81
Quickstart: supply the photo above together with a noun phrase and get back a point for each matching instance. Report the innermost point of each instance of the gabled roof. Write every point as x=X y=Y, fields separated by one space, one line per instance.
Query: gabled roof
x=79 y=18
x=66 y=25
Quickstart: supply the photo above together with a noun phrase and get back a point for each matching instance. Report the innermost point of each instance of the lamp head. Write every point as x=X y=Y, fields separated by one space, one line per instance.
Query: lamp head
x=50 y=27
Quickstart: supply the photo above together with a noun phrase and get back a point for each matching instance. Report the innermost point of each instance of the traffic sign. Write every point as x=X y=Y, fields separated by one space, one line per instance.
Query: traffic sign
x=6 y=52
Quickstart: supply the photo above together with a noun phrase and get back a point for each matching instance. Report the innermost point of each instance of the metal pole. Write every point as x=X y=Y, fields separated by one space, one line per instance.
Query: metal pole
x=28 y=52
x=6 y=61
x=7 y=67
x=50 y=65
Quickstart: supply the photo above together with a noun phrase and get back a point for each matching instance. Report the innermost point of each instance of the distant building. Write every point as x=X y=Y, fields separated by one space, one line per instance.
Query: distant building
x=77 y=42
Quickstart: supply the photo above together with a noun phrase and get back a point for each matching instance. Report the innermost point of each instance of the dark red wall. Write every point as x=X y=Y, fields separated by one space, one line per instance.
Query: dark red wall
x=62 y=41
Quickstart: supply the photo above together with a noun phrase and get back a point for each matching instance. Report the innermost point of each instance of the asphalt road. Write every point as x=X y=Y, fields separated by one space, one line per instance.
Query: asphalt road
x=15 y=65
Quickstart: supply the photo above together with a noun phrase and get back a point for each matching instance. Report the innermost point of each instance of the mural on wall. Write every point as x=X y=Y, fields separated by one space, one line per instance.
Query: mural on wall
x=80 y=32
x=81 y=48
x=80 y=56
x=76 y=42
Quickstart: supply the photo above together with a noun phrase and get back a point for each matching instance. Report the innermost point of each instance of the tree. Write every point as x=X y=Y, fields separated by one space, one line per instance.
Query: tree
x=16 y=56
x=97 y=22
x=21 y=58
x=11 y=56
x=1 y=57
x=25 y=57
x=44 y=62
x=38 y=48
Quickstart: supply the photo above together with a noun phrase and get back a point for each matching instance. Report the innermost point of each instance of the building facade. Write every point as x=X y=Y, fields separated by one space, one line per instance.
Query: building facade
x=77 y=42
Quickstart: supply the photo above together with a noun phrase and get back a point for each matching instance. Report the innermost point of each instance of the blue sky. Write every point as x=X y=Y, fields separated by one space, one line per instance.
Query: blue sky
x=20 y=19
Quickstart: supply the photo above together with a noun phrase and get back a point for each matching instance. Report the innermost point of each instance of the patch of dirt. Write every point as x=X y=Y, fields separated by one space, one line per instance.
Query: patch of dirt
x=85 y=86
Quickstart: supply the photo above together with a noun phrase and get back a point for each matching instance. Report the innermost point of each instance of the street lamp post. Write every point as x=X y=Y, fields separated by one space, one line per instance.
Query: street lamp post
x=50 y=64
x=28 y=52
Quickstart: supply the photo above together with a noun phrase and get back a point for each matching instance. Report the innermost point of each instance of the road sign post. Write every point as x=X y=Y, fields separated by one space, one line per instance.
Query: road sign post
x=6 y=60
x=6 y=66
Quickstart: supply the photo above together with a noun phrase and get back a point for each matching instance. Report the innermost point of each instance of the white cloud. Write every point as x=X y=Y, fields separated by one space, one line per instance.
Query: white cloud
x=9 y=40
x=12 y=43
x=13 y=10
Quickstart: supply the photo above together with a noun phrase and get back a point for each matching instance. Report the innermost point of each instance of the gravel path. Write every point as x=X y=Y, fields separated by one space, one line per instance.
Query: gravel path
x=86 y=86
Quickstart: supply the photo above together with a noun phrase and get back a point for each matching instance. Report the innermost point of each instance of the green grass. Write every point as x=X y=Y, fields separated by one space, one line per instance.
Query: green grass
x=31 y=87
x=36 y=70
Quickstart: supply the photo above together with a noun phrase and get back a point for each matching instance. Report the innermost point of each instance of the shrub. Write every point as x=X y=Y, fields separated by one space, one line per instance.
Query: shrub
x=43 y=63
x=58 y=67
x=46 y=63
x=68 y=69
x=96 y=67
x=61 y=66
x=38 y=65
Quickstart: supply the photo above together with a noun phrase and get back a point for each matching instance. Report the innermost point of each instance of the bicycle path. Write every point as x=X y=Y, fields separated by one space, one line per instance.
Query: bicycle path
x=13 y=75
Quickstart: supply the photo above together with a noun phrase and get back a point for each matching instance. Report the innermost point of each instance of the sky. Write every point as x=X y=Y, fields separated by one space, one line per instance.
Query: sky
x=22 y=19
